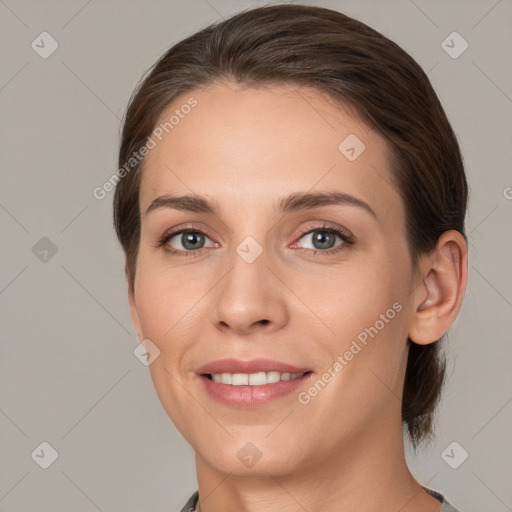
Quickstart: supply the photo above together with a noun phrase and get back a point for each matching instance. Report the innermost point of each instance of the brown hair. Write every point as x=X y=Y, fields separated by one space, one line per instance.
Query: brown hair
x=355 y=65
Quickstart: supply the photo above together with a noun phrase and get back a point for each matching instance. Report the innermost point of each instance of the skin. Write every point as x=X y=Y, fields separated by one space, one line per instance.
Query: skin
x=246 y=149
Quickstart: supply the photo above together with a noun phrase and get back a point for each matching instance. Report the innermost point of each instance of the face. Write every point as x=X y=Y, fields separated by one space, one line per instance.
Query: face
x=306 y=285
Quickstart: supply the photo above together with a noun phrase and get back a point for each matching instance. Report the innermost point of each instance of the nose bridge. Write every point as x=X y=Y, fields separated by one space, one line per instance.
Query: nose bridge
x=249 y=240
x=247 y=279
x=248 y=293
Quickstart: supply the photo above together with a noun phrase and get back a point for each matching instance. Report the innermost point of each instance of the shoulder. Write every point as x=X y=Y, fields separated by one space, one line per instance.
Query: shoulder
x=190 y=506
x=445 y=507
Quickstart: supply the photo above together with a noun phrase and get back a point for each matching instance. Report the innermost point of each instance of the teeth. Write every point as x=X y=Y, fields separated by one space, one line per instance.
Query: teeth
x=239 y=379
x=256 y=379
x=253 y=379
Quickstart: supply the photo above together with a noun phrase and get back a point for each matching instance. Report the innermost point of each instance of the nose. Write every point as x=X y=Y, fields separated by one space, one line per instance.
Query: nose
x=250 y=298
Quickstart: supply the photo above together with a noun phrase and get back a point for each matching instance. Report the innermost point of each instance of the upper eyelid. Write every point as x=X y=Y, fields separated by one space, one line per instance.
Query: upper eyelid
x=194 y=228
x=326 y=227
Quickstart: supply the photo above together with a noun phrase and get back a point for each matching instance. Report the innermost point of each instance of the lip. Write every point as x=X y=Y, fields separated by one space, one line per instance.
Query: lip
x=250 y=396
x=252 y=366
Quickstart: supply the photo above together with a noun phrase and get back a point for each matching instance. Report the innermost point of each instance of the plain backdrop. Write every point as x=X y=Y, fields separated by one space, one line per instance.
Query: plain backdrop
x=68 y=375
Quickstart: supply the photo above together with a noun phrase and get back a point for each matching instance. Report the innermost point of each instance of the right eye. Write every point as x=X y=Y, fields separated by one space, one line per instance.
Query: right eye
x=187 y=241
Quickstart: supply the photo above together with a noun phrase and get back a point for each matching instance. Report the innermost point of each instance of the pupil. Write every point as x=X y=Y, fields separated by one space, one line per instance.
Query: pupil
x=191 y=238
x=321 y=237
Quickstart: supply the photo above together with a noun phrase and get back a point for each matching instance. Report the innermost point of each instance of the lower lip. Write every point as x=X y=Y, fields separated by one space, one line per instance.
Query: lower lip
x=251 y=396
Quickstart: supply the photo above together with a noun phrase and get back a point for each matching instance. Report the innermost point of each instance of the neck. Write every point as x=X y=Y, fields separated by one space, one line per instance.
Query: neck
x=368 y=473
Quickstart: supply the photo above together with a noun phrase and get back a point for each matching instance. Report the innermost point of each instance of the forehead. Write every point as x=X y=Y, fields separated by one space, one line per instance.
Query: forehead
x=255 y=145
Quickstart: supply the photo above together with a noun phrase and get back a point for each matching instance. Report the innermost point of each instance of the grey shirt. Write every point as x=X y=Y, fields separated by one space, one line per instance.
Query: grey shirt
x=190 y=506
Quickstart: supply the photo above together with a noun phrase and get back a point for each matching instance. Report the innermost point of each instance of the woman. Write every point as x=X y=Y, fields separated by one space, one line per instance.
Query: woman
x=291 y=205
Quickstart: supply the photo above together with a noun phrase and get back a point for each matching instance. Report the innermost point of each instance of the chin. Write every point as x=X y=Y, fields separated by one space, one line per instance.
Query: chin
x=254 y=456
x=251 y=464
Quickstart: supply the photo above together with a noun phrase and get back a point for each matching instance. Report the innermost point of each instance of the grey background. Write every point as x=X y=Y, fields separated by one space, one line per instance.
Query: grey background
x=68 y=375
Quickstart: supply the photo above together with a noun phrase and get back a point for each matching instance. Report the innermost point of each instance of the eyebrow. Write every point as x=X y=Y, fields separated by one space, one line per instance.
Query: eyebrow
x=294 y=202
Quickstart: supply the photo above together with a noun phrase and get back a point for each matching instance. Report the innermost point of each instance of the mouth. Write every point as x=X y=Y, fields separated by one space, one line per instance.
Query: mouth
x=251 y=384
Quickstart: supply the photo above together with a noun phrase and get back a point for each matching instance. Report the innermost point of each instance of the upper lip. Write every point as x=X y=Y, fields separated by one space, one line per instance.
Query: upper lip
x=251 y=366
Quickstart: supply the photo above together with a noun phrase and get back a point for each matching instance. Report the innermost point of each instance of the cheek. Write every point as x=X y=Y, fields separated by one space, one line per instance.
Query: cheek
x=165 y=300
x=353 y=296
x=364 y=308
x=166 y=314
x=152 y=303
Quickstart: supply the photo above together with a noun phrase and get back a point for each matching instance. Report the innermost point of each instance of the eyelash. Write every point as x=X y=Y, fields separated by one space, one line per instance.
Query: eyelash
x=335 y=230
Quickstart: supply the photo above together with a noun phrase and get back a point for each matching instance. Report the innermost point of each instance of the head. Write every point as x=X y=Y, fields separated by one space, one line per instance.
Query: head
x=273 y=102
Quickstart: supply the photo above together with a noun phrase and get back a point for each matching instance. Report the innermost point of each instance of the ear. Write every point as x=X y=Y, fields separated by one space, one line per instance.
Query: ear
x=133 y=311
x=438 y=299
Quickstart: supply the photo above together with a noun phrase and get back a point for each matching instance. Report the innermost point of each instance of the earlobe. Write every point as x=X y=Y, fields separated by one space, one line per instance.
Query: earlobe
x=438 y=300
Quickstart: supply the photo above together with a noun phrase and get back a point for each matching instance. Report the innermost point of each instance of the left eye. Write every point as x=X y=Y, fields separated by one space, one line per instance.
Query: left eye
x=323 y=239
